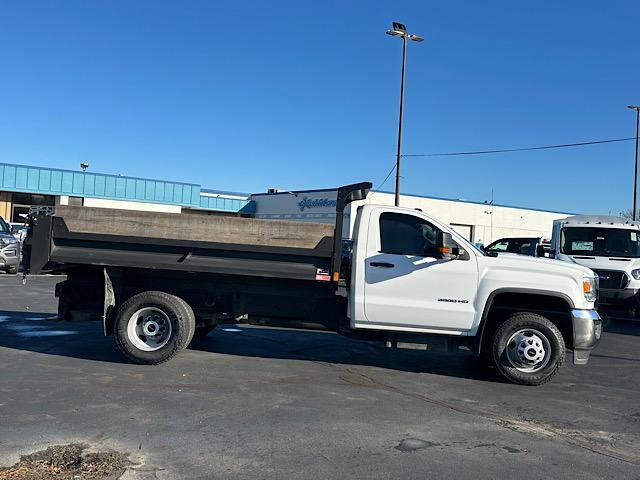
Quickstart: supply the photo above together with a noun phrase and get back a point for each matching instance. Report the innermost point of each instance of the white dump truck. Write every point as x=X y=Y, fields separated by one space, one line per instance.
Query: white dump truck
x=402 y=278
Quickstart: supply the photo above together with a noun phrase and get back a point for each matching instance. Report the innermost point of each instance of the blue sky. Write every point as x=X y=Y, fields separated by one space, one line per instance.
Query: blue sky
x=304 y=94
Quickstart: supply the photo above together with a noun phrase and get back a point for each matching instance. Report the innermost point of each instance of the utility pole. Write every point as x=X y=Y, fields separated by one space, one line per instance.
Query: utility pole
x=398 y=29
x=634 y=214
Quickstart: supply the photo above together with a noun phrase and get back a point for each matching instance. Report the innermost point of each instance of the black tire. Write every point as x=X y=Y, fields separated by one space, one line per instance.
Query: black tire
x=180 y=316
x=12 y=270
x=527 y=321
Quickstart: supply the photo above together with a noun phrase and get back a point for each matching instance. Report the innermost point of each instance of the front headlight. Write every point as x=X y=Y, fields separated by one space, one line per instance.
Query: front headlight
x=4 y=242
x=636 y=273
x=590 y=288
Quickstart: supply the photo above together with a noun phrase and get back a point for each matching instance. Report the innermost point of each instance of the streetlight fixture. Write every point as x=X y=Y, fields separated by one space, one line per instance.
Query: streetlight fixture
x=635 y=176
x=398 y=29
x=84 y=166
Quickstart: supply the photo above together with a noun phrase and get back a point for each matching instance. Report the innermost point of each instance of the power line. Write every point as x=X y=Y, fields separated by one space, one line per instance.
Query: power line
x=377 y=189
x=506 y=150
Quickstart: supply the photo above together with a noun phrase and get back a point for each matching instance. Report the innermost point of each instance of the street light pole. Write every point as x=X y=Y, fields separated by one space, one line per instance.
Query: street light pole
x=398 y=29
x=399 y=152
x=635 y=176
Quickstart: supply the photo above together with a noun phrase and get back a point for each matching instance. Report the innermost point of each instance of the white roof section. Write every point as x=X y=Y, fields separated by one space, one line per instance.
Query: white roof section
x=598 y=220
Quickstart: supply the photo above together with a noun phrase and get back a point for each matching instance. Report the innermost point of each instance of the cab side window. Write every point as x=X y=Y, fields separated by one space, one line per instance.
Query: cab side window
x=402 y=234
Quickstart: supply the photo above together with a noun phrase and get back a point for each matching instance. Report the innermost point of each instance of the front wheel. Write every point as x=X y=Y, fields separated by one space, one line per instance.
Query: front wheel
x=151 y=327
x=528 y=349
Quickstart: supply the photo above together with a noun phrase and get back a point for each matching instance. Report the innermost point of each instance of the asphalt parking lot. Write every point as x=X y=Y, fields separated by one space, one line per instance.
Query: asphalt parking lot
x=266 y=403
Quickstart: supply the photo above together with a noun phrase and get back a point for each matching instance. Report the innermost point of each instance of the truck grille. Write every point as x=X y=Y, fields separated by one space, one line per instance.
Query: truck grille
x=612 y=279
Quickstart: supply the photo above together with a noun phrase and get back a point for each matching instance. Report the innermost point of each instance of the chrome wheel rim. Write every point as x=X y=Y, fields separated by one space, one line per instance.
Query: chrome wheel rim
x=149 y=329
x=528 y=350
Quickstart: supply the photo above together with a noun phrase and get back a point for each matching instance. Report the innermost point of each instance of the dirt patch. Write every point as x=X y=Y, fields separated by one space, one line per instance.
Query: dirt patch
x=67 y=462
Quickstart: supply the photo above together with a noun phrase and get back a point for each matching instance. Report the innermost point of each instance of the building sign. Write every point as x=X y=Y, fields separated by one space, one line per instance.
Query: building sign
x=308 y=203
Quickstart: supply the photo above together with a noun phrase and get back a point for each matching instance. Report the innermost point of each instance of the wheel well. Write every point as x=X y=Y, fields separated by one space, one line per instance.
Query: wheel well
x=499 y=307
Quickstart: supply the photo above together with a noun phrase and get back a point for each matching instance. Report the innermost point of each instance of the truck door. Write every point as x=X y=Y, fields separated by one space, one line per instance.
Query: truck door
x=405 y=285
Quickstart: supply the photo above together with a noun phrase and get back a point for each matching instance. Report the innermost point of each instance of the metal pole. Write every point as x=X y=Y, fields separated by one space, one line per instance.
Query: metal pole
x=398 y=156
x=635 y=177
x=492 y=210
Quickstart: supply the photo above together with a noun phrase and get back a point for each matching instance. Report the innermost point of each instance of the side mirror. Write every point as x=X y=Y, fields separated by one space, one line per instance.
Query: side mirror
x=446 y=248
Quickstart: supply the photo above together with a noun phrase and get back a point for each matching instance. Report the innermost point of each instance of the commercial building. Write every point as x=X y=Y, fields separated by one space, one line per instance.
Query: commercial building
x=25 y=187
x=476 y=221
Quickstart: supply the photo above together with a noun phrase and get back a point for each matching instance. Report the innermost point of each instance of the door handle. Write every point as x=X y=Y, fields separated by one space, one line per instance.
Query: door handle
x=382 y=264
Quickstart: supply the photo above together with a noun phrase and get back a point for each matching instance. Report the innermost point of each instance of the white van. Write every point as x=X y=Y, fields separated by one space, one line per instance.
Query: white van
x=610 y=246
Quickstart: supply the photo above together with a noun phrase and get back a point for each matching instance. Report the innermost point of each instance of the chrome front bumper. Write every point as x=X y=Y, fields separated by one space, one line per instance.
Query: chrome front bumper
x=587 y=331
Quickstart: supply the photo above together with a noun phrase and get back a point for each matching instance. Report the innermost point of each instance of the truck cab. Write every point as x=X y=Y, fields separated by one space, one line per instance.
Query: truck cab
x=413 y=274
x=610 y=246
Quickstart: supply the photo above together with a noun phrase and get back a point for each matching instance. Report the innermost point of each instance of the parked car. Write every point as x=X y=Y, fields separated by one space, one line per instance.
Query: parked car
x=521 y=246
x=608 y=245
x=9 y=249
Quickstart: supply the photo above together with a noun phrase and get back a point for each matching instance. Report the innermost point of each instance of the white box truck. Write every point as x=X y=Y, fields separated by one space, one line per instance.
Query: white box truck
x=608 y=245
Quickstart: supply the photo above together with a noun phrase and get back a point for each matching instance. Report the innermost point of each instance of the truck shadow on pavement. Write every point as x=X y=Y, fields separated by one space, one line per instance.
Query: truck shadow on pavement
x=622 y=327
x=332 y=349
x=44 y=333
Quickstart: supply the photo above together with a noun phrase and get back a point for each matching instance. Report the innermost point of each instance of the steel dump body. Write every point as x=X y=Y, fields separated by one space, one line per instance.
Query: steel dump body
x=82 y=236
x=224 y=245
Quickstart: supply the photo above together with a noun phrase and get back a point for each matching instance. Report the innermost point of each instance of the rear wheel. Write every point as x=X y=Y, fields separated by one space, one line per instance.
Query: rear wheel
x=12 y=270
x=528 y=349
x=151 y=327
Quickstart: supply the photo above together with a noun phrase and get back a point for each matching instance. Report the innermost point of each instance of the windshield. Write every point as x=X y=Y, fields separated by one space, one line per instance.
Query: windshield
x=601 y=242
x=4 y=228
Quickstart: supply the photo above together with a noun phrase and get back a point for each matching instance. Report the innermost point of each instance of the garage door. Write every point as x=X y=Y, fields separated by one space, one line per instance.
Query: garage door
x=465 y=230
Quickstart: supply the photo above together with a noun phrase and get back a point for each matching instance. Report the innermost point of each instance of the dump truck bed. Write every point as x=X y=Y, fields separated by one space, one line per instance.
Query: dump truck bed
x=73 y=237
